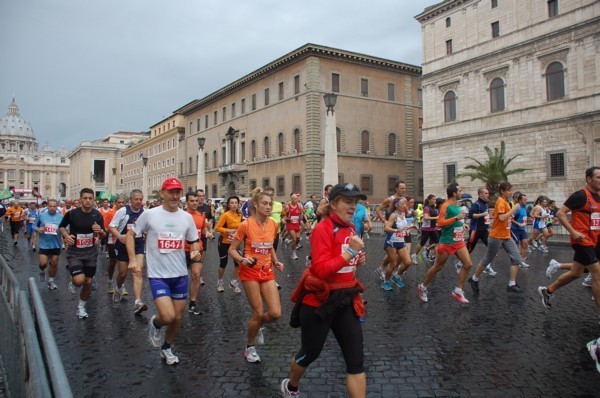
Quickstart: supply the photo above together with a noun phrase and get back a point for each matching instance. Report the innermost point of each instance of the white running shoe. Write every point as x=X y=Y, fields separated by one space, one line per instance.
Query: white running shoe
x=414 y=259
x=220 y=287
x=169 y=357
x=553 y=266
x=294 y=256
x=201 y=281
x=489 y=270
x=422 y=292
x=251 y=355
x=72 y=288
x=587 y=282
x=260 y=337
x=235 y=286
x=460 y=297
x=458 y=266
x=543 y=248
x=286 y=393
x=52 y=285
x=523 y=265
x=156 y=336
x=81 y=313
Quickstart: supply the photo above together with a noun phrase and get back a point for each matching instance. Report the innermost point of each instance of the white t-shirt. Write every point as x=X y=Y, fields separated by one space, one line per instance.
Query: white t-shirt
x=165 y=235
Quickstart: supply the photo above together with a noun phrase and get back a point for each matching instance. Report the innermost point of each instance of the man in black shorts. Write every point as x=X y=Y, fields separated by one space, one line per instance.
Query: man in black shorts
x=86 y=227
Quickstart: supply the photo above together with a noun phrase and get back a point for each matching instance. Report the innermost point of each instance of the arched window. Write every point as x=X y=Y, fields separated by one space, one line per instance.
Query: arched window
x=338 y=139
x=555 y=81
x=253 y=149
x=267 y=151
x=297 y=140
x=392 y=144
x=450 y=106
x=448 y=22
x=364 y=142
x=280 y=147
x=497 y=95
x=191 y=164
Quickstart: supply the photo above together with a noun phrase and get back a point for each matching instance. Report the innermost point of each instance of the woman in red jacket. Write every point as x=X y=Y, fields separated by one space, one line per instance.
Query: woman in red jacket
x=328 y=296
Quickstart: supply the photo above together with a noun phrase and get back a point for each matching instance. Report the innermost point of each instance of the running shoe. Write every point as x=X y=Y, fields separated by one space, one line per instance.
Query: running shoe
x=251 y=355
x=398 y=281
x=72 y=288
x=260 y=337
x=288 y=241
x=553 y=266
x=124 y=291
x=587 y=281
x=529 y=249
x=546 y=297
x=193 y=308
x=299 y=246
x=117 y=296
x=489 y=270
x=81 y=313
x=278 y=286
x=460 y=297
x=139 y=307
x=381 y=273
x=286 y=393
x=201 y=281
x=387 y=286
x=414 y=259
x=111 y=287
x=474 y=285
x=94 y=283
x=235 y=286
x=593 y=348
x=514 y=289
x=42 y=276
x=458 y=266
x=52 y=285
x=535 y=244
x=294 y=256
x=220 y=287
x=431 y=255
x=156 y=336
x=543 y=248
x=169 y=357
x=422 y=292
x=523 y=265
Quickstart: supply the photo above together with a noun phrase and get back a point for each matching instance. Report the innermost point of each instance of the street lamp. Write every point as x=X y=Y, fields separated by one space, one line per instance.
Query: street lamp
x=144 y=175
x=330 y=161
x=200 y=176
x=114 y=173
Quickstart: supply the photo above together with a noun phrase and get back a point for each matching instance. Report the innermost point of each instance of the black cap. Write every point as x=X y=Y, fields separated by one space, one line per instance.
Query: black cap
x=346 y=189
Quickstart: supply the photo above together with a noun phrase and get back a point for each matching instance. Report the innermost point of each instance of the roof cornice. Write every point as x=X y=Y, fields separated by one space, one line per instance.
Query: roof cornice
x=440 y=8
x=301 y=53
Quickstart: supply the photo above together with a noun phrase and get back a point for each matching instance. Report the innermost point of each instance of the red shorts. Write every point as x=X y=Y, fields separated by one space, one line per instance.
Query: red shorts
x=292 y=227
x=450 y=248
x=257 y=273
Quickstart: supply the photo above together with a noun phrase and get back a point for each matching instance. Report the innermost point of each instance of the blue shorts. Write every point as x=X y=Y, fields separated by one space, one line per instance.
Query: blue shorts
x=176 y=288
x=518 y=235
x=121 y=250
x=395 y=245
x=29 y=229
x=536 y=225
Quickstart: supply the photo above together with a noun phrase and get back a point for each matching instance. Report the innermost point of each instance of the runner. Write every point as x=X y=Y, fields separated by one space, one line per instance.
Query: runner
x=383 y=211
x=451 y=221
x=428 y=227
x=323 y=202
x=517 y=228
x=123 y=221
x=361 y=219
x=292 y=215
x=107 y=213
x=195 y=266
x=15 y=215
x=166 y=227
x=110 y=245
x=86 y=226
x=30 y=214
x=326 y=284
x=395 y=246
x=46 y=226
x=226 y=227
x=540 y=218
x=500 y=236
x=258 y=233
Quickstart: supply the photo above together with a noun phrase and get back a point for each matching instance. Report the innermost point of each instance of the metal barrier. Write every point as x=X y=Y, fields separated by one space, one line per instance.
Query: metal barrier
x=27 y=346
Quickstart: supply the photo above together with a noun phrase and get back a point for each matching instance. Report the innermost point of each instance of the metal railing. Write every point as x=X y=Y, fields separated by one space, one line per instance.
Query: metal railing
x=32 y=364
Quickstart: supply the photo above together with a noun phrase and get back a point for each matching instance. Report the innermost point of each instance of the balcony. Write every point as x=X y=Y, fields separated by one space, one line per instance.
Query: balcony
x=233 y=167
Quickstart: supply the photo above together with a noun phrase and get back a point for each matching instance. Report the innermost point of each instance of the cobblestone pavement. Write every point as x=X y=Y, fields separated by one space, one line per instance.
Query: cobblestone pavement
x=500 y=344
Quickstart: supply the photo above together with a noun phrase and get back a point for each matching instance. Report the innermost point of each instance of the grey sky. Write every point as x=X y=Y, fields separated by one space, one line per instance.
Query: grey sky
x=81 y=70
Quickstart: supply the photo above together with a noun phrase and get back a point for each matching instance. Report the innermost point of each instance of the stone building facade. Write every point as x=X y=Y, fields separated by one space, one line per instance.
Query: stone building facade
x=524 y=72
x=267 y=127
x=24 y=166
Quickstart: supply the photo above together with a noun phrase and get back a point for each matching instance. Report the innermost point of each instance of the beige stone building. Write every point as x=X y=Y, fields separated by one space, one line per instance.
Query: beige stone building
x=160 y=152
x=267 y=127
x=99 y=164
x=26 y=168
x=526 y=72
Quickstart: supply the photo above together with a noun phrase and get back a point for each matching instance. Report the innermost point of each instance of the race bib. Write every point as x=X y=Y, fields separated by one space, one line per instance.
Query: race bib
x=352 y=266
x=84 y=240
x=295 y=219
x=263 y=248
x=30 y=220
x=595 y=221
x=457 y=234
x=486 y=219
x=509 y=222
x=169 y=242
x=51 y=229
x=230 y=236
x=426 y=224
x=17 y=214
x=111 y=239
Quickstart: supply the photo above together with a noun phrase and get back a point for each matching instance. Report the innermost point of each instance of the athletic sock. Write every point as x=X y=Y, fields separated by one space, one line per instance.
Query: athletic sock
x=291 y=388
x=165 y=346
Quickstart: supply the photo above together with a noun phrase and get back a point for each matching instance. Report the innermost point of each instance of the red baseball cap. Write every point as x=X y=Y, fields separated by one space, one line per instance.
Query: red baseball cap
x=172 y=183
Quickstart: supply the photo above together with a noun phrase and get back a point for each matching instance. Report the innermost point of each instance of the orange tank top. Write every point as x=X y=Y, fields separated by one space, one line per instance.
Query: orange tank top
x=587 y=221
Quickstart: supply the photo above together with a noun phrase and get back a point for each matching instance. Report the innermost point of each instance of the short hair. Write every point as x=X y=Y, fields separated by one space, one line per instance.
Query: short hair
x=481 y=189
x=269 y=188
x=51 y=200
x=86 y=190
x=504 y=186
x=520 y=196
x=452 y=189
x=327 y=187
x=134 y=191
x=589 y=173
x=398 y=184
x=190 y=194
x=197 y=191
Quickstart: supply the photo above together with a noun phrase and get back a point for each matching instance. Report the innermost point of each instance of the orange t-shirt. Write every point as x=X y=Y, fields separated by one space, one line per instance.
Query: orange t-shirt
x=227 y=221
x=501 y=229
x=258 y=243
x=200 y=221
x=15 y=214
x=107 y=216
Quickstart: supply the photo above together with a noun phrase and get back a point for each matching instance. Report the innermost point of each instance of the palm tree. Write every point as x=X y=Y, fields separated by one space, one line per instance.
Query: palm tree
x=494 y=170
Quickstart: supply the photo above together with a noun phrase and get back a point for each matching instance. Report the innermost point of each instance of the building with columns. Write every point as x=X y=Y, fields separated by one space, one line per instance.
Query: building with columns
x=525 y=72
x=99 y=164
x=267 y=128
x=26 y=167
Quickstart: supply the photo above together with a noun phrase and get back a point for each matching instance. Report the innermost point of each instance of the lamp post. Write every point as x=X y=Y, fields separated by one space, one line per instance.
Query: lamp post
x=144 y=175
x=200 y=177
x=114 y=171
x=330 y=160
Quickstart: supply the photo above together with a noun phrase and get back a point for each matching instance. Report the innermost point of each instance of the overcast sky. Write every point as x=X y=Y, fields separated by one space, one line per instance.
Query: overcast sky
x=81 y=70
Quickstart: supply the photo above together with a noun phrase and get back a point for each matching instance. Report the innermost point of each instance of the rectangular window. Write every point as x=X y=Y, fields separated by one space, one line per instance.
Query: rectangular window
x=280 y=91
x=296 y=84
x=215 y=118
x=233 y=110
x=391 y=92
x=335 y=82
x=214 y=191
x=280 y=186
x=224 y=113
x=63 y=160
x=266 y=96
x=556 y=164
x=448 y=47
x=296 y=183
x=266 y=182
x=552 y=8
x=494 y=3
x=450 y=173
x=243 y=106
x=197 y=125
x=253 y=102
x=421 y=187
x=205 y=121
x=392 y=180
x=364 y=87
x=495 y=29
x=252 y=184
x=366 y=184
x=243 y=150
x=99 y=176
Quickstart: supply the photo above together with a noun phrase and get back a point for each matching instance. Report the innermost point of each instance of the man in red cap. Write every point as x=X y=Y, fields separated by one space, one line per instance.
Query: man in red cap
x=166 y=228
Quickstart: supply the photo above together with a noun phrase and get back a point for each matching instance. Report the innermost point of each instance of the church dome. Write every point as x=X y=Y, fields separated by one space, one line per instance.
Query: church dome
x=12 y=124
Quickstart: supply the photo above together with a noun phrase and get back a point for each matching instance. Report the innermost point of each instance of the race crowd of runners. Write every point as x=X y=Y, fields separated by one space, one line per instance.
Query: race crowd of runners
x=169 y=238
